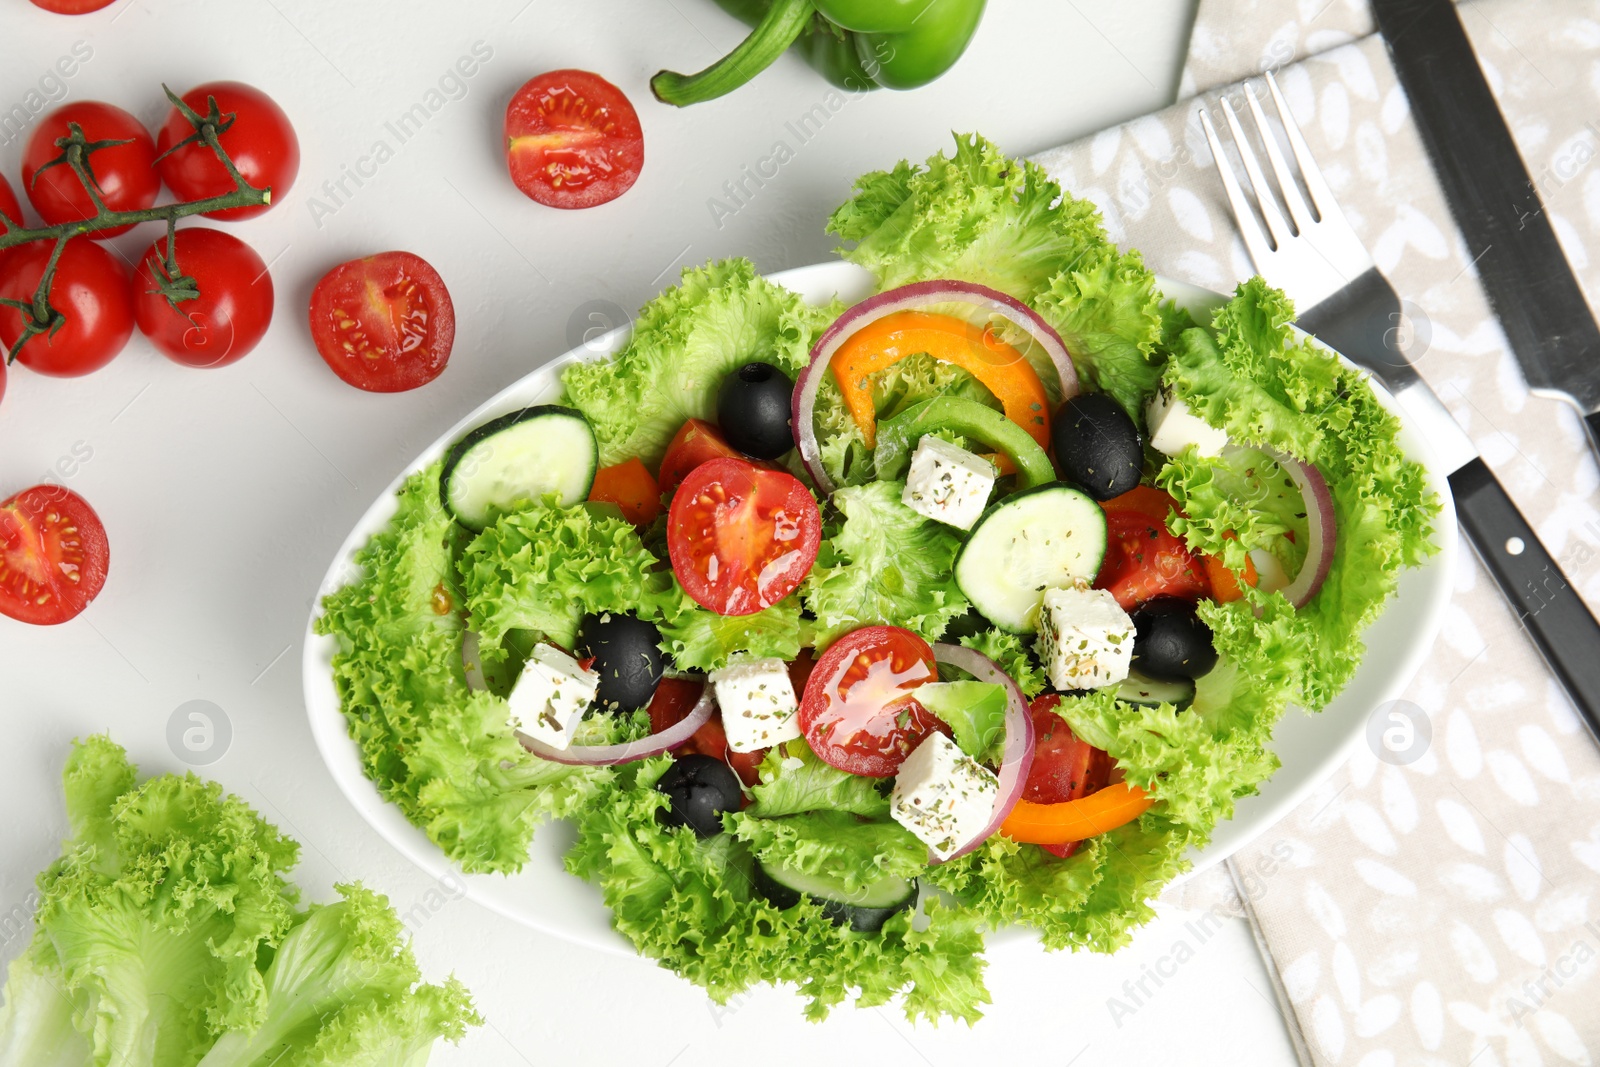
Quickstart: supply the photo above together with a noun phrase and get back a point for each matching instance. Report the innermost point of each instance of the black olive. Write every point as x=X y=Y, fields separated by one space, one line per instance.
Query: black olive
x=626 y=657
x=701 y=789
x=753 y=410
x=1171 y=642
x=1097 y=445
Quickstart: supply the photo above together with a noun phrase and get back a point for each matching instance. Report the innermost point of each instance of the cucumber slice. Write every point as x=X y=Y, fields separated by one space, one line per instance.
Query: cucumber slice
x=520 y=456
x=864 y=910
x=1149 y=692
x=1042 y=538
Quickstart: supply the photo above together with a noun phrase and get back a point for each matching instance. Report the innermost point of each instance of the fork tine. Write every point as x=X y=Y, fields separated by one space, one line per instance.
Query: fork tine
x=1265 y=201
x=1298 y=211
x=1322 y=197
x=1255 y=239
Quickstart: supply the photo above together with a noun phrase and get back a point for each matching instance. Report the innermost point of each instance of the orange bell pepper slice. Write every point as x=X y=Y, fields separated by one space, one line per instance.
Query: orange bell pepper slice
x=999 y=367
x=1076 y=820
x=632 y=488
x=1227 y=586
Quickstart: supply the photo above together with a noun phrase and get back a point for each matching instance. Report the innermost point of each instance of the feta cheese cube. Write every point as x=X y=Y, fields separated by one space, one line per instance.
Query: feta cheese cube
x=758 y=704
x=1173 y=428
x=947 y=484
x=1085 y=638
x=551 y=696
x=943 y=795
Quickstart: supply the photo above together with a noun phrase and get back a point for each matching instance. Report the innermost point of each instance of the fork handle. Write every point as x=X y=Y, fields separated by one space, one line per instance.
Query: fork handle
x=1547 y=605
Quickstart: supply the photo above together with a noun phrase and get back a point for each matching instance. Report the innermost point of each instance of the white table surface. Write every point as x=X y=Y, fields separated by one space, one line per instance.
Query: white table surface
x=225 y=492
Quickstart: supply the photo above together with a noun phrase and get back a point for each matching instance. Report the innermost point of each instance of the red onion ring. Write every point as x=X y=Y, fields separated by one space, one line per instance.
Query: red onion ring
x=644 y=748
x=1320 y=526
x=1018 y=757
x=803 y=405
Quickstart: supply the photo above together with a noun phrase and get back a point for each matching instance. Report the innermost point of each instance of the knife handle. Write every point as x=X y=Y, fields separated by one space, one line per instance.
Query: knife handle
x=1547 y=605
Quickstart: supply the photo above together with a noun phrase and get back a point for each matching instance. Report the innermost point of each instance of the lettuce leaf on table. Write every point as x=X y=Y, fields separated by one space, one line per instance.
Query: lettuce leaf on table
x=684 y=343
x=168 y=935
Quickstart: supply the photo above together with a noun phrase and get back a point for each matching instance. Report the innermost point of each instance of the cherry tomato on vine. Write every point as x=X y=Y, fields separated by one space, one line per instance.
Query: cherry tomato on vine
x=91 y=290
x=227 y=319
x=741 y=538
x=72 y=7
x=261 y=142
x=9 y=204
x=53 y=555
x=858 y=712
x=384 y=323
x=572 y=140
x=125 y=174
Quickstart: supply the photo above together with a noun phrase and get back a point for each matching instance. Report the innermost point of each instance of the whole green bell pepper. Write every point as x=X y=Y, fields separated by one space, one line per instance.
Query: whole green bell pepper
x=898 y=437
x=856 y=44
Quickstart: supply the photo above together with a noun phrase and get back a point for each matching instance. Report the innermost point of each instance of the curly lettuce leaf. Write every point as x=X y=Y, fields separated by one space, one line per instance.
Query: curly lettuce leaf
x=1250 y=375
x=882 y=563
x=699 y=639
x=1107 y=309
x=689 y=904
x=542 y=566
x=794 y=780
x=684 y=343
x=1012 y=654
x=834 y=845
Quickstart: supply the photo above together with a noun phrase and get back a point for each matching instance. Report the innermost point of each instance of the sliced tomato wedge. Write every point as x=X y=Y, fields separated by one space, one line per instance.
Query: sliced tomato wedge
x=741 y=538
x=859 y=713
x=573 y=140
x=1143 y=559
x=1064 y=767
x=696 y=442
x=53 y=555
x=674 y=699
x=384 y=323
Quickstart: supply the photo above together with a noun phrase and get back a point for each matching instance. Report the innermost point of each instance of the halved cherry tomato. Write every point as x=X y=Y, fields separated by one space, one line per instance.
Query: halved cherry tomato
x=1143 y=560
x=572 y=140
x=1000 y=368
x=228 y=318
x=858 y=712
x=630 y=487
x=259 y=139
x=72 y=7
x=91 y=290
x=124 y=174
x=9 y=205
x=53 y=555
x=800 y=669
x=741 y=538
x=695 y=443
x=384 y=323
x=673 y=700
x=1076 y=820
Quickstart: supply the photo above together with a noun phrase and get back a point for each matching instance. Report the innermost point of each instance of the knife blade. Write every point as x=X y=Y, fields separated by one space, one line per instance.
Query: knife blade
x=1530 y=285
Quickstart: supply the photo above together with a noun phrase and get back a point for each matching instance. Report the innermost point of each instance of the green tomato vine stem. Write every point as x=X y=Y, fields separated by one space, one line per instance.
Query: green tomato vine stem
x=39 y=317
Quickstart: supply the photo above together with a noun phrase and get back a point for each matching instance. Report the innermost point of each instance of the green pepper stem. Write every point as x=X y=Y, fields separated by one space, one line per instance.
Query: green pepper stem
x=784 y=22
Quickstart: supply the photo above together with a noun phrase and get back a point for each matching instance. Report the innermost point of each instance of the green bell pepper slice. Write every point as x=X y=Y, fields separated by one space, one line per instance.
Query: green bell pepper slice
x=897 y=437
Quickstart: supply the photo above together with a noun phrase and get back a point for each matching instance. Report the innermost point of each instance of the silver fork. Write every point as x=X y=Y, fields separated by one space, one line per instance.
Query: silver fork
x=1314 y=255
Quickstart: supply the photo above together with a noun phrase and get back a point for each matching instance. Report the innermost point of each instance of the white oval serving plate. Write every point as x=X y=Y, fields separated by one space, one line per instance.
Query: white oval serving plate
x=545 y=897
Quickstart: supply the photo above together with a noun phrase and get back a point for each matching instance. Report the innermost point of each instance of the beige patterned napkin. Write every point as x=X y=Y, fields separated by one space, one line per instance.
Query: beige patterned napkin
x=1442 y=911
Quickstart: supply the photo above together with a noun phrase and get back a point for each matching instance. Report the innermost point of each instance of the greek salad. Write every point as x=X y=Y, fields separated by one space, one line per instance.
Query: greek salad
x=844 y=635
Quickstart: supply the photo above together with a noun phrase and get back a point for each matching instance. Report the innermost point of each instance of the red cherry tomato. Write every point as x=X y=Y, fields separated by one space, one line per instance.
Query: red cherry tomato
x=261 y=142
x=741 y=538
x=232 y=312
x=572 y=140
x=695 y=443
x=858 y=712
x=9 y=205
x=53 y=555
x=72 y=7
x=92 y=292
x=384 y=323
x=125 y=173
x=1143 y=560
x=1064 y=768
